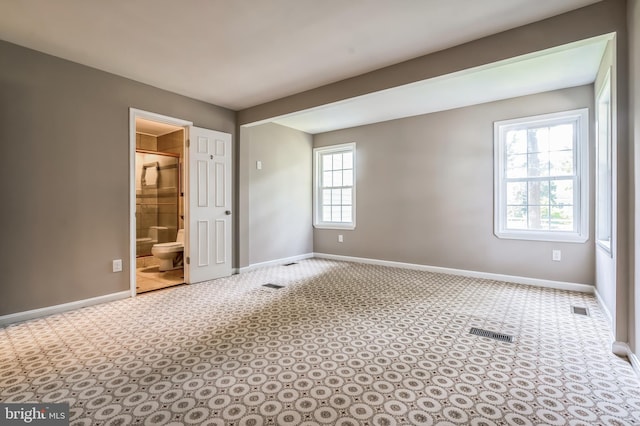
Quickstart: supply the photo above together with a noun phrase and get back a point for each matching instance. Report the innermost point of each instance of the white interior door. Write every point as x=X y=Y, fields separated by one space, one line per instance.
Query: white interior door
x=209 y=225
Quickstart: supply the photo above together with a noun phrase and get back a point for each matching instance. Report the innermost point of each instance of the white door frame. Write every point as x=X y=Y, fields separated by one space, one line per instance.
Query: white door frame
x=133 y=114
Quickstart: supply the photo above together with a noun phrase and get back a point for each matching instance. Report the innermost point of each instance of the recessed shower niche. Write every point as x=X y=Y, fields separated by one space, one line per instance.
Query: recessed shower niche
x=159 y=204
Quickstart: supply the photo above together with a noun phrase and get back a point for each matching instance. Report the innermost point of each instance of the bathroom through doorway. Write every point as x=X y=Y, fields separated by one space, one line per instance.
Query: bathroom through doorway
x=200 y=245
x=159 y=205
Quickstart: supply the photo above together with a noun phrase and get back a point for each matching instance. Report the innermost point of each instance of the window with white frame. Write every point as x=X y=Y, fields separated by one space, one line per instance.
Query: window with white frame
x=541 y=177
x=335 y=187
x=604 y=165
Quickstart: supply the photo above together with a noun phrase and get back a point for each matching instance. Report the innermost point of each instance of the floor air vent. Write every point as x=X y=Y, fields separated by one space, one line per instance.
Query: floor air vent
x=491 y=335
x=276 y=286
x=579 y=311
x=289 y=264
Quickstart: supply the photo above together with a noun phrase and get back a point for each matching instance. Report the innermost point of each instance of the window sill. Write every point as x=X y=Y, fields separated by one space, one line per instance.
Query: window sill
x=543 y=236
x=346 y=226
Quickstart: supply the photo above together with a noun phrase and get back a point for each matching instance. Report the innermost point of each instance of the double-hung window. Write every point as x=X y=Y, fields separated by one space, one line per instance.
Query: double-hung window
x=541 y=177
x=334 y=187
x=604 y=165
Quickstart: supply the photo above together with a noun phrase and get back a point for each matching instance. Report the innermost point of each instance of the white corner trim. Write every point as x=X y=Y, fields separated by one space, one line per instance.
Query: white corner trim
x=560 y=285
x=620 y=348
x=276 y=262
x=56 y=309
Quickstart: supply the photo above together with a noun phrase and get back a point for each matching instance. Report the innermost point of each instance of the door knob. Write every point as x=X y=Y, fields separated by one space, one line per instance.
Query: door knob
x=228 y=212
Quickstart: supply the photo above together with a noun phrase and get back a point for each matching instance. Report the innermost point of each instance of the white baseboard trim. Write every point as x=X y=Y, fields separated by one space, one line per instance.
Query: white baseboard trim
x=50 y=310
x=604 y=308
x=635 y=362
x=276 y=262
x=560 y=285
x=623 y=349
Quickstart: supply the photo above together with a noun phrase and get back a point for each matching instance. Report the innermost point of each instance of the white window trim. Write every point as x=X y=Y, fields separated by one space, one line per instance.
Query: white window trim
x=317 y=223
x=581 y=194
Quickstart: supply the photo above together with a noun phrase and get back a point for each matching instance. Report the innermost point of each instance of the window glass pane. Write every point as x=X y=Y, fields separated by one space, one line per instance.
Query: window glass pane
x=561 y=163
x=346 y=214
x=326 y=213
x=538 y=193
x=337 y=178
x=538 y=217
x=516 y=142
x=326 y=162
x=561 y=192
x=326 y=196
x=336 y=214
x=603 y=168
x=516 y=217
x=346 y=197
x=517 y=193
x=337 y=161
x=516 y=166
x=538 y=140
x=538 y=164
x=327 y=179
x=562 y=218
x=335 y=186
x=347 y=160
x=347 y=178
x=561 y=137
x=336 y=196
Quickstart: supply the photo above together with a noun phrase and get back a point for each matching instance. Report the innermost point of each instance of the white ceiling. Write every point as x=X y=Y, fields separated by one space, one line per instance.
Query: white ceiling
x=570 y=65
x=240 y=53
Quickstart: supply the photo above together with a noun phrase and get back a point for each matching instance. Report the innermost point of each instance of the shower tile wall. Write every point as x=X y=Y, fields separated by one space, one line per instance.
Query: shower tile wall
x=156 y=206
x=147 y=142
x=167 y=207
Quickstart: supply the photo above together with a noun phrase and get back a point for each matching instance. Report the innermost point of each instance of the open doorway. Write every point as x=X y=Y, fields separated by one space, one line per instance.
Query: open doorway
x=204 y=218
x=158 y=201
x=159 y=206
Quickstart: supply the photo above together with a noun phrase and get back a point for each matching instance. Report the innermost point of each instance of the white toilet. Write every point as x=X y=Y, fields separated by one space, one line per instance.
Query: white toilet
x=170 y=254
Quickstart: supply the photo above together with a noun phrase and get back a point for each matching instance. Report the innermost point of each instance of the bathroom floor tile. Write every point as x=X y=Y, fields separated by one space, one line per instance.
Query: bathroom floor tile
x=150 y=278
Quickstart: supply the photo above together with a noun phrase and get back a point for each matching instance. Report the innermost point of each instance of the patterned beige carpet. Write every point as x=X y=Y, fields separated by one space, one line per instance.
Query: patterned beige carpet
x=340 y=344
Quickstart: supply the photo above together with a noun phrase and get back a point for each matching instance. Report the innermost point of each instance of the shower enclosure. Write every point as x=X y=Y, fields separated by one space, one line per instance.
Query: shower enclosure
x=157 y=199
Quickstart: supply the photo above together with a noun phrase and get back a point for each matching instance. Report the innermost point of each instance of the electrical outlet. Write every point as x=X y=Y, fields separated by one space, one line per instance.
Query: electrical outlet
x=556 y=255
x=117 y=265
x=340 y=238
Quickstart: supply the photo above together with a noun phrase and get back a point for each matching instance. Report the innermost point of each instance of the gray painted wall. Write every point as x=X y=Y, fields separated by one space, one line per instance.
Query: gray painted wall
x=425 y=193
x=280 y=194
x=64 y=175
x=594 y=20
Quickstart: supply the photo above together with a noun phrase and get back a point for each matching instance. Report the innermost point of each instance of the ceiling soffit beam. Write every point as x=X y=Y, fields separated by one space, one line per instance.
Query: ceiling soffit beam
x=597 y=19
